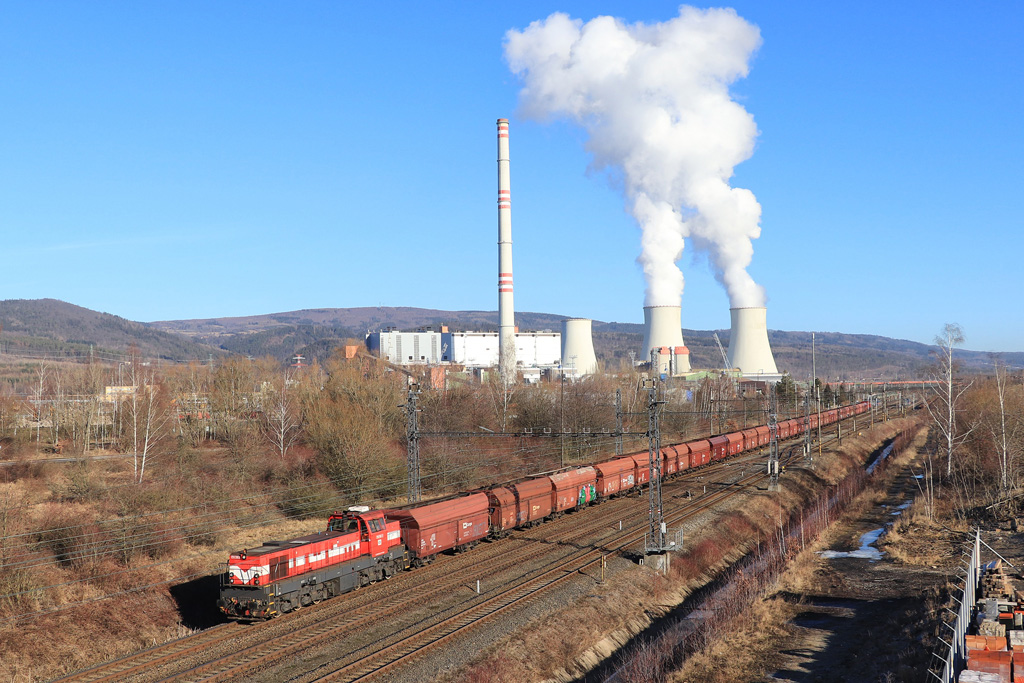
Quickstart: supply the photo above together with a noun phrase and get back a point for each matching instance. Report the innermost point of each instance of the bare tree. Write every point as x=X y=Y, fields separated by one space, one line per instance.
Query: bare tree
x=1001 y=433
x=948 y=392
x=11 y=409
x=38 y=393
x=146 y=414
x=281 y=418
x=189 y=385
x=502 y=391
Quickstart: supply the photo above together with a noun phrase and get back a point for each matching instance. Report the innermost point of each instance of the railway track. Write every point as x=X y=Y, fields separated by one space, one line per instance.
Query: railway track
x=234 y=652
x=418 y=638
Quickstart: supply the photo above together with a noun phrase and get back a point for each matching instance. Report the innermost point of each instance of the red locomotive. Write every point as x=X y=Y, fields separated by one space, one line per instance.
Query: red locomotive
x=361 y=546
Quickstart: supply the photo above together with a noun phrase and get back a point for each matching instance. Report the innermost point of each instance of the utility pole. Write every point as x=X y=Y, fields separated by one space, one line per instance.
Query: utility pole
x=412 y=437
x=807 y=423
x=561 y=416
x=817 y=392
x=618 y=422
x=773 y=445
x=657 y=531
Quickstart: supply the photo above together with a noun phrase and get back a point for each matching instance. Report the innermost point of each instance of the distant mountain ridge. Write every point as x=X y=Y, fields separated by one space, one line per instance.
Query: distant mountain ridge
x=56 y=328
x=837 y=354
x=60 y=328
x=363 y=319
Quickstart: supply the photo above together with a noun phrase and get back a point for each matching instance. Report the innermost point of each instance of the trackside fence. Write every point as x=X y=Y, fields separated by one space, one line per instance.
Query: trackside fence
x=711 y=612
x=953 y=653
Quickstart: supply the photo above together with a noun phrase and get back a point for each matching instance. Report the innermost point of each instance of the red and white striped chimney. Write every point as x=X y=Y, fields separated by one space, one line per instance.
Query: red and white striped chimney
x=506 y=311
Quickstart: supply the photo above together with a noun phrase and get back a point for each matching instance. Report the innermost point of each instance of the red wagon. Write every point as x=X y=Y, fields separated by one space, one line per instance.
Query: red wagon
x=575 y=488
x=700 y=452
x=450 y=524
x=615 y=476
x=719 y=446
x=501 y=503
x=533 y=500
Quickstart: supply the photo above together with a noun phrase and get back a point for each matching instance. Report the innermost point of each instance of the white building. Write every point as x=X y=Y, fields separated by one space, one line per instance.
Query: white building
x=471 y=349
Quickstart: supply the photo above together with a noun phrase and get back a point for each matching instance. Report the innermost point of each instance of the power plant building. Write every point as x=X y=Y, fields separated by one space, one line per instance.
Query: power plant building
x=470 y=349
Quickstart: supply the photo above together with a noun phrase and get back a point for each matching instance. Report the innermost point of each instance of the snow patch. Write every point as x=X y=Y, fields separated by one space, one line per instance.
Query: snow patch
x=865 y=551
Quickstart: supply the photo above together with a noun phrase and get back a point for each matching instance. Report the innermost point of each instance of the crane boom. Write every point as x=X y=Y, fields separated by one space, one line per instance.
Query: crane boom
x=725 y=359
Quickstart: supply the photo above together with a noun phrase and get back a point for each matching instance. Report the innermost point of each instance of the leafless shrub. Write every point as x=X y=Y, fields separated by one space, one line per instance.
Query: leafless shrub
x=69 y=534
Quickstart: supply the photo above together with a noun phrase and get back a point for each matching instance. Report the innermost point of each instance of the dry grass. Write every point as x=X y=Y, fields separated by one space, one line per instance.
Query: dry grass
x=751 y=650
x=747 y=650
x=574 y=640
x=577 y=638
x=51 y=498
x=64 y=553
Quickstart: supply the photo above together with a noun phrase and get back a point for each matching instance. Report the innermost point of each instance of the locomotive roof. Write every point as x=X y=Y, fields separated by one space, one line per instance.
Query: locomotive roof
x=275 y=546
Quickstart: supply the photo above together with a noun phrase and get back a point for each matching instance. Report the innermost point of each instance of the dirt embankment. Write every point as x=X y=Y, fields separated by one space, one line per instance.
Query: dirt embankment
x=860 y=604
x=583 y=641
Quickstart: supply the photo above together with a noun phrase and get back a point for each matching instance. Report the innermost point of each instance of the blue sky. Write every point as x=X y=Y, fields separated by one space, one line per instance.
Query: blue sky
x=195 y=160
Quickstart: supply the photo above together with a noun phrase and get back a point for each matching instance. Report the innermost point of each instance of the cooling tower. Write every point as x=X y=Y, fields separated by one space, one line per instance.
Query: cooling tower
x=663 y=332
x=578 y=357
x=748 y=342
x=506 y=311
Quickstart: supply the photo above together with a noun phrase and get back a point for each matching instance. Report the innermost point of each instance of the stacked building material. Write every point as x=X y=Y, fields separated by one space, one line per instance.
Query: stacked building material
x=994 y=582
x=979 y=677
x=986 y=643
x=993 y=662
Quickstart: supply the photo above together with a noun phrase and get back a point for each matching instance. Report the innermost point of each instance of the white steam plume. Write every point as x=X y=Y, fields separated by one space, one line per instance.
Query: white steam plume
x=654 y=99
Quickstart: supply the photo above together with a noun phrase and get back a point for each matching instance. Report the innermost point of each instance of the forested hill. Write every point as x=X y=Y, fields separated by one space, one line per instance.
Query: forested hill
x=837 y=354
x=359 y=320
x=53 y=328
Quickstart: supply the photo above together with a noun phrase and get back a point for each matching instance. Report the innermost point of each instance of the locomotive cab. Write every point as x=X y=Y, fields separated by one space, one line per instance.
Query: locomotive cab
x=372 y=528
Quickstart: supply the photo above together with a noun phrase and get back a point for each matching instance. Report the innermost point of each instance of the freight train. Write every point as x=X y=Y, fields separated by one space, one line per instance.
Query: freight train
x=361 y=546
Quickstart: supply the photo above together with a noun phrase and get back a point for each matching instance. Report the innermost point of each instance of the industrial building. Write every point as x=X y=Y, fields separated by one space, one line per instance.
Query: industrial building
x=470 y=349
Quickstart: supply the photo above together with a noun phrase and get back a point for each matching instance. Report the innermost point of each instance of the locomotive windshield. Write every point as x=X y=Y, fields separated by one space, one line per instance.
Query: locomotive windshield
x=344 y=524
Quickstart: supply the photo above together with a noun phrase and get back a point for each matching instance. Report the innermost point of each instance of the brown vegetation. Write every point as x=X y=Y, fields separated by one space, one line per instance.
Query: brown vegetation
x=580 y=637
x=204 y=459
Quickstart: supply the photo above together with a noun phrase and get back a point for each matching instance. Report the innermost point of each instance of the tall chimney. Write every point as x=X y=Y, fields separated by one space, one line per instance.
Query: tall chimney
x=578 y=356
x=748 y=342
x=663 y=333
x=506 y=311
